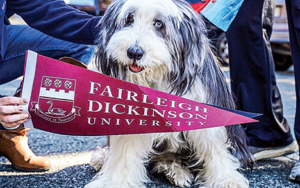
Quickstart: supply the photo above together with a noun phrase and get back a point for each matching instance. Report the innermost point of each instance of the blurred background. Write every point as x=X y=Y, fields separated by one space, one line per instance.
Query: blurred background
x=279 y=40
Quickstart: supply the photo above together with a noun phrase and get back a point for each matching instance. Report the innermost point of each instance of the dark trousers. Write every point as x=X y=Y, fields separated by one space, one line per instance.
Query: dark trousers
x=293 y=11
x=22 y=37
x=253 y=76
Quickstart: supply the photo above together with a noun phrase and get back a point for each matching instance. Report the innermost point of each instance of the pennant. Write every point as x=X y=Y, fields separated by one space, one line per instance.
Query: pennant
x=67 y=99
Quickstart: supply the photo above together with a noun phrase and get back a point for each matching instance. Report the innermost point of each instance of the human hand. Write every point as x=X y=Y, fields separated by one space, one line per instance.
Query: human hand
x=11 y=114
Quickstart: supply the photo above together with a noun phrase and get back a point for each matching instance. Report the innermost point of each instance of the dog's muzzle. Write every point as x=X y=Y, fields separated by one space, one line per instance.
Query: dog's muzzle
x=135 y=53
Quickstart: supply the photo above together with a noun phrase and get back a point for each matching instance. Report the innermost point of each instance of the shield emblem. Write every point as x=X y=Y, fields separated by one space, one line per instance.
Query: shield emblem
x=56 y=96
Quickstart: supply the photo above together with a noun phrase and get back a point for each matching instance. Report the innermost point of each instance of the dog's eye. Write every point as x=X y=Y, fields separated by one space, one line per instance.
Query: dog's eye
x=158 y=24
x=129 y=19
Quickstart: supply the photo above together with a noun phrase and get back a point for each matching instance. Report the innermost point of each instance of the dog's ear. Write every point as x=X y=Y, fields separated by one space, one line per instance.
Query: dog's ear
x=189 y=43
x=219 y=94
x=108 y=26
x=196 y=60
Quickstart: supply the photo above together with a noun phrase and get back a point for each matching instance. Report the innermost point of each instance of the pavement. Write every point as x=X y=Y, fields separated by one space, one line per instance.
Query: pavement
x=70 y=155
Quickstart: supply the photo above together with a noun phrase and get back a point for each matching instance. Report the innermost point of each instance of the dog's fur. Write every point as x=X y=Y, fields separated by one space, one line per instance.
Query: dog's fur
x=167 y=39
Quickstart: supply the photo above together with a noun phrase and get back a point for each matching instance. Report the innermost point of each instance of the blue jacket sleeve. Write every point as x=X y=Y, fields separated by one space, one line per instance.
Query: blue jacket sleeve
x=57 y=19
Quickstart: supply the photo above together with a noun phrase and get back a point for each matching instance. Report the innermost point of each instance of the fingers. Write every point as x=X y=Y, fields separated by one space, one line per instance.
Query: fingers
x=9 y=105
x=11 y=114
x=10 y=109
x=12 y=120
x=14 y=125
x=12 y=101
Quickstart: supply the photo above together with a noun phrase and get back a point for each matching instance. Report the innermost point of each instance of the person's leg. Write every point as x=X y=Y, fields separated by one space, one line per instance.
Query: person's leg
x=22 y=38
x=14 y=146
x=293 y=12
x=253 y=77
x=14 y=143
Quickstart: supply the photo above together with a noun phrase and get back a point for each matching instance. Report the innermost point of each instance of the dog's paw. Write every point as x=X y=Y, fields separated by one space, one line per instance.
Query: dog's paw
x=99 y=184
x=235 y=180
x=182 y=178
x=234 y=185
x=99 y=157
x=176 y=174
x=230 y=182
x=105 y=184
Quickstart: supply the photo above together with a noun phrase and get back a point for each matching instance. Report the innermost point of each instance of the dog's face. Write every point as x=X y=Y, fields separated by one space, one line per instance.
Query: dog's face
x=140 y=43
x=149 y=40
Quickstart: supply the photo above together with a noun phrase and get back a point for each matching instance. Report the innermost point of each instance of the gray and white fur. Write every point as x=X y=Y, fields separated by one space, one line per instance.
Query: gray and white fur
x=163 y=44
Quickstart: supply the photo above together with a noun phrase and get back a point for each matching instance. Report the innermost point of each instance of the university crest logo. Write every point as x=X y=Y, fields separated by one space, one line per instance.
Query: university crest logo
x=56 y=100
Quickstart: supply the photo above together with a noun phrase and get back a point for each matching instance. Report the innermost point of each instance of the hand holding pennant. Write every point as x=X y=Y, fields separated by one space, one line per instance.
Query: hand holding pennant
x=67 y=99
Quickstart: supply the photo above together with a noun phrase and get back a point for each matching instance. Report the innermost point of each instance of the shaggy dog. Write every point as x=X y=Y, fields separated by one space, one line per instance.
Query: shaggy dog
x=163 y=44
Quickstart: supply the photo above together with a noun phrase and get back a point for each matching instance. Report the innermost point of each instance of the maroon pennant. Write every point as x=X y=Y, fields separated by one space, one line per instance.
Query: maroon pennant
x=67 y=99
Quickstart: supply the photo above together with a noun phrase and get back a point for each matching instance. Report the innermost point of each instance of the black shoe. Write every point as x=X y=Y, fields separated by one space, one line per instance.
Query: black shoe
x=264 y=153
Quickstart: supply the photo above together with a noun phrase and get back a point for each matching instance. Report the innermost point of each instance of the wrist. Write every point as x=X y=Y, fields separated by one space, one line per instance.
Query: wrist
x=12 y=128
x=9 y=128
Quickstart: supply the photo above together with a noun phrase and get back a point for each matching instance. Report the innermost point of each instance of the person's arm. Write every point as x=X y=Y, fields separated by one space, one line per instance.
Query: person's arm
x=11 y=113
x=57 y=19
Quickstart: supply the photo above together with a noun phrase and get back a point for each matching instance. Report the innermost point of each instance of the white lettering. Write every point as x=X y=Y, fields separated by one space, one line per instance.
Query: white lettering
x=107 y=104
x=108 y=91
x=203 y=117
x=173 y=104
x=131 y=109
x=132 y=95
x=93 y=87
x=202 y=123
x=129 y=122
x=189 y=123
x=105 y=121
x=157 y=112
x=145 y=97
x=89 y=121
x=197 y=108
x=145 y=111
x=181 y=105
x=143 y=122
x=118 y=121
x=91 y=102
x=155 y=122
x=168 y=123
x=172 y=114
x=114 y=108
x=120 y=92
x=181 y=115
x=161 y=101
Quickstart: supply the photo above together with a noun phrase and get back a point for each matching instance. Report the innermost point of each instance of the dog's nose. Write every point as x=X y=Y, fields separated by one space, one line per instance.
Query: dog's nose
x=135 y=52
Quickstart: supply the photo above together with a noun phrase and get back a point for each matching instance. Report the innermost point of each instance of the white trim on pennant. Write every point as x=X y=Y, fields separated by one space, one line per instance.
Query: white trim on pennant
x=28 y=81
x=60 y=94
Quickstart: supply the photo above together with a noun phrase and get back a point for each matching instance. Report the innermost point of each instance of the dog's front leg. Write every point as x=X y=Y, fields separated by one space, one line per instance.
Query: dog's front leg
x=220 y=168
x=125 y=163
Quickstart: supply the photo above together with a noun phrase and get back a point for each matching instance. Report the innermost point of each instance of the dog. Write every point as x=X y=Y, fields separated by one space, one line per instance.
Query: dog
x=163 y=44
